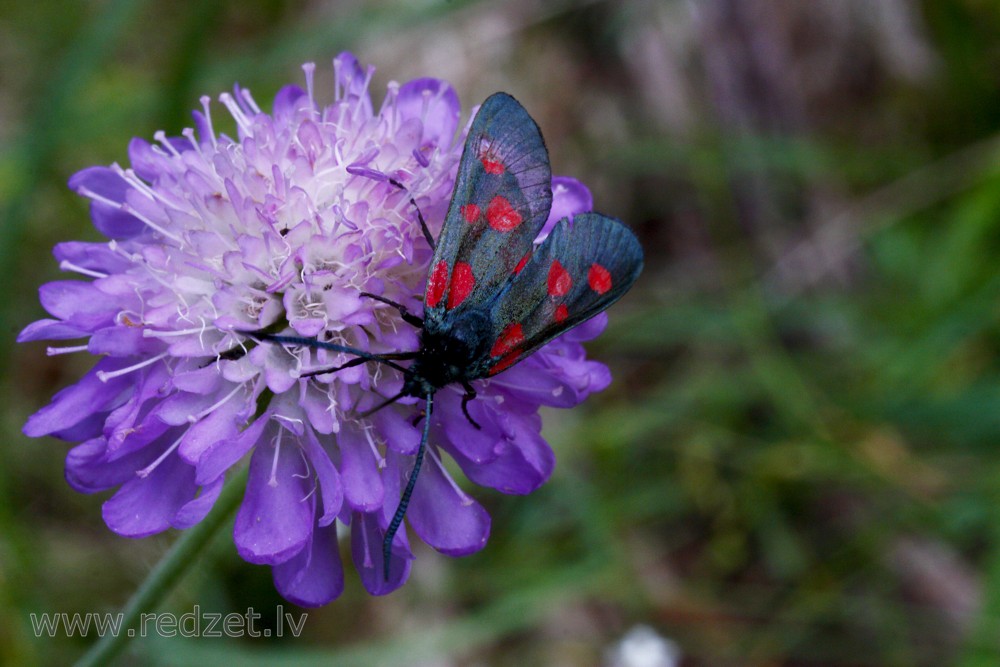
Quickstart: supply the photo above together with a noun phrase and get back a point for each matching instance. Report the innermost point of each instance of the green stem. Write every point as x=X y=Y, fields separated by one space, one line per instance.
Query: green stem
x=182 y=555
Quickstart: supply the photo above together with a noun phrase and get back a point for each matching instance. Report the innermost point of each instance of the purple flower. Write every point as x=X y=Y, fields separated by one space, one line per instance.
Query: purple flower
x=288 y=223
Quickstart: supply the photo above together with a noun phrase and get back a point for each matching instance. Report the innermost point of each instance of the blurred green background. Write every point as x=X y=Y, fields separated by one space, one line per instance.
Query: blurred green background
x=798 y=462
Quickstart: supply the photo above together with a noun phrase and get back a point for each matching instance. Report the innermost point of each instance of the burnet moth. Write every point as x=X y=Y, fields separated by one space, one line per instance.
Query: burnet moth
x=493 y=295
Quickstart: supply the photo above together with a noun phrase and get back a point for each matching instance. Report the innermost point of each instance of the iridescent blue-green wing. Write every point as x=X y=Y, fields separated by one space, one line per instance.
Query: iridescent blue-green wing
x=502 y=198
x=580 y=269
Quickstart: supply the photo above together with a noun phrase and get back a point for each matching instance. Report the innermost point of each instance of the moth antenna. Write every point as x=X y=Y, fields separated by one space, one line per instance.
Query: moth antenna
x=404 y=501
x=420 y=216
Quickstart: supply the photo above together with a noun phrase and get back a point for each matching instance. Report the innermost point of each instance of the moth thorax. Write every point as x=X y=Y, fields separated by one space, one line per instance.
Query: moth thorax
x=451 y=353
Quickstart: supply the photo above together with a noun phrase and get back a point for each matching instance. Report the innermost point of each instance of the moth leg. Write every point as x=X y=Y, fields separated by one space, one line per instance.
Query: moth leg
x=420 y=216
x=408 y=317
x=470 y=394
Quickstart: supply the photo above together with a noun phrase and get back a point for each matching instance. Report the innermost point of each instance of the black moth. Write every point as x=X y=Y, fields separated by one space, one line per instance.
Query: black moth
x=493 y=297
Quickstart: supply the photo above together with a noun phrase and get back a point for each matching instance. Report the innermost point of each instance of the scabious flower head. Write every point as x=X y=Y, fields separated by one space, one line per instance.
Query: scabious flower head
x=287 y=223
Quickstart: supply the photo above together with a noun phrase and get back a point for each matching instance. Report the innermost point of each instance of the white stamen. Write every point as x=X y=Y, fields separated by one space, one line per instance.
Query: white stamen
x=215 y=406
x=273 y=481
x=104 y=376
x=337 y=93
x=161 y=136
x=126 y=208
x=139 y=185
x=391 y=93
x=154 y=333
x=236 y=112
x=152 y=466
x=55 y=351
x=466 y=500
x=70 y=266
x=309 y=69
x=371 y=443
x=248 y=98
x=188 y=133
x=367 y=563
x=287 y=419
x=206 y=103
x=87 y=192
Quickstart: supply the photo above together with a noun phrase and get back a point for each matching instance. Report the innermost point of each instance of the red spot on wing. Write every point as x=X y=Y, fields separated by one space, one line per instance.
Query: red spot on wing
x=505 y=363
x=501 y=215
x=599 y=278
x=559 y=279
x=470 y=212
x=436 y=284
x=524 y=260
x=508 y=340
x=562 y=312
x=462 y=282
x=492 y=166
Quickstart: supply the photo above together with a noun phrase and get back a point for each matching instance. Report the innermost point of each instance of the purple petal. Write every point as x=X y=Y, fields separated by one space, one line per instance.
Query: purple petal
x=195 y=510
x=569 y=197
x=330 y=488
x=102 y=181
x=222 y=424
x=109 y=219
x=287 y=102
x=363 y=489
x=114 y=222
x=88 y=469
x=50 y=330
x=366 y=551
x=76 y=402
x=119 y=341
x=315 y=575
x=275 y=519
x=90 y=427
x=202 y=381
x=476 y=444
x=589 y=330
x=147 y=163
x=222 y=455
x=443 y=516
x=181 y=407
x=92 y=256
x=525 y=462
x=147 y=505
x=435 y=104
x=80 y=303
x=398 y=431
x=353 y=79
x=554 y=379
x=132 y=420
